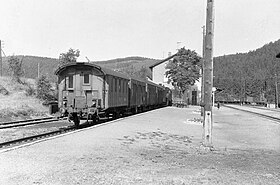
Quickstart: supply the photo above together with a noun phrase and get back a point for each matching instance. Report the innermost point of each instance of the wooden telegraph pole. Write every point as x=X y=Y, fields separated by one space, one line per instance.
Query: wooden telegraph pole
x=208 y=74
x=276 y=91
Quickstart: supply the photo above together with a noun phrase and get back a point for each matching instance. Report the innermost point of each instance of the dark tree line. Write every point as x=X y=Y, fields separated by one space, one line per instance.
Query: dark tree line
x=253 y=74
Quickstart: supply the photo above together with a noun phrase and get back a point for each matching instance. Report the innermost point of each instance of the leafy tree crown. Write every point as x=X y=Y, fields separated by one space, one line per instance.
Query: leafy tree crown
x=69 y=57
x=184 y=70
x=15 y=67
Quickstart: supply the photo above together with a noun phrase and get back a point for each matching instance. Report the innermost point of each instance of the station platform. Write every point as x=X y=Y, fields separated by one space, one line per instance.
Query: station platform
x=163 y=146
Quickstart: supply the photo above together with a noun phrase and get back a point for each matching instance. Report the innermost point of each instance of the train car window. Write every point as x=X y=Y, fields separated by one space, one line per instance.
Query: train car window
x=86 y=78
x=70 y=81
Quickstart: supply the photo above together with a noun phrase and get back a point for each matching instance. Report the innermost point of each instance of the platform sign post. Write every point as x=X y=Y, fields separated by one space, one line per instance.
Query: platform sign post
x=208 y=75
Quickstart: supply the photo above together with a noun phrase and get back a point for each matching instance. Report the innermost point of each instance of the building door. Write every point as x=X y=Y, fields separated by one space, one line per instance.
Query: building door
x=194 y=97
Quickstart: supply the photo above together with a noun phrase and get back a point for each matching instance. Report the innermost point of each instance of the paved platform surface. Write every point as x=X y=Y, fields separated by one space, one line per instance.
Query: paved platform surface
x=157 y=147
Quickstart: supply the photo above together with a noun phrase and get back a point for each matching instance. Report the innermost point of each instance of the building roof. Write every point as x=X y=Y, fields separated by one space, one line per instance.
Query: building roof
x=278 y=55
x=164 y=60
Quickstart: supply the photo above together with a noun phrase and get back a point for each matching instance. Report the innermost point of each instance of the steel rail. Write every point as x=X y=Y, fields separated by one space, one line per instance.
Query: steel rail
x=255 y=113
x=35 y=137
x=25 y=123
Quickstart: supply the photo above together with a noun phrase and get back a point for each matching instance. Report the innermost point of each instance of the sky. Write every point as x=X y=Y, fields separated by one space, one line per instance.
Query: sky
x=109 y=29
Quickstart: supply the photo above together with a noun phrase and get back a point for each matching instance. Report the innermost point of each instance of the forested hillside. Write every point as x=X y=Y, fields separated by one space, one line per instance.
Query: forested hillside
x=137 y=66
x=47 y=66
x=251 y=74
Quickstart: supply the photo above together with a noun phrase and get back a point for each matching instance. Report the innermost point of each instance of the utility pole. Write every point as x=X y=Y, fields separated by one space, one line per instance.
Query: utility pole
x=208 y=74
x=1 y=71
x=38 y=70
x=276 y=84
x=202 y=71
x=276 y=91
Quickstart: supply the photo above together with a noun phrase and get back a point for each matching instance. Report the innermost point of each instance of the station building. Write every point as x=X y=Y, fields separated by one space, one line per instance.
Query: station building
x=192 y=96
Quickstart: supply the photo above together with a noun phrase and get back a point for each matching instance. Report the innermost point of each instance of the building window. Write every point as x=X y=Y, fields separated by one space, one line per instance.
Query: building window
x=70 y=81
x=86 y=78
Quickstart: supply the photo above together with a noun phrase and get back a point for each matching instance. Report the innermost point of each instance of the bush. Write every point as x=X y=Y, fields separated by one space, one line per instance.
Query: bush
x=3 y=90
x=30 y=90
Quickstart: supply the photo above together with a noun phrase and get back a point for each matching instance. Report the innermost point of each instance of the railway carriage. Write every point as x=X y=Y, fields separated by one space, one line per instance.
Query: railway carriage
x=137 y=96
x=88 y=91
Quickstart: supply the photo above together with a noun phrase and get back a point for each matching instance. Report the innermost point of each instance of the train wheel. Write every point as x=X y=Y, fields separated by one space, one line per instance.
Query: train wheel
x=89 y=117
x=93 y=119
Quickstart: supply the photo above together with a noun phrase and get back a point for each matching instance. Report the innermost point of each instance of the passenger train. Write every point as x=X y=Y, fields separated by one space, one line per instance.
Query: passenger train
x=89 y=91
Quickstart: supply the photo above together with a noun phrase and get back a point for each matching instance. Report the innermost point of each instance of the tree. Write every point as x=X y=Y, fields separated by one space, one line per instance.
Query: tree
x=44 y=89
x=15 y=67
x=69 y=57
x=183 y=70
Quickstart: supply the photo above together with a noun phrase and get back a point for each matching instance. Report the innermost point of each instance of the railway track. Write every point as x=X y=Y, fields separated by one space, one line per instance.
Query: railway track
x=265 y=113
x=35 y=137
x=13 y=124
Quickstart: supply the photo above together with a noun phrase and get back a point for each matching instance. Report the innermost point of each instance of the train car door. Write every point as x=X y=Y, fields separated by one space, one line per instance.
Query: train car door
x=89 y=98
x=70 y=98
x=194 y=97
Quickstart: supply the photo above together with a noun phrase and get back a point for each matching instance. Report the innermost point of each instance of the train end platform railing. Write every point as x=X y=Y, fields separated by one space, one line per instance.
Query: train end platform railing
x=179 y=103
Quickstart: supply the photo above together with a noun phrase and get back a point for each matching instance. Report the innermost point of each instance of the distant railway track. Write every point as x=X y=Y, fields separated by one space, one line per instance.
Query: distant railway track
x=264 y=115
x=35 y=137
x=21 y=123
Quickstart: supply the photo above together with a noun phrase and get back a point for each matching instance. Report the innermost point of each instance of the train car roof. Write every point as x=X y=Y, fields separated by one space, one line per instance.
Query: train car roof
x=152 y=83
x=105 y=71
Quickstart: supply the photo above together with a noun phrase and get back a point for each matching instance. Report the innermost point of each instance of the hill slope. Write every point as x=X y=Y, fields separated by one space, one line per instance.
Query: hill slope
x=47 y=66
x=249 y=74
x=16 y=104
